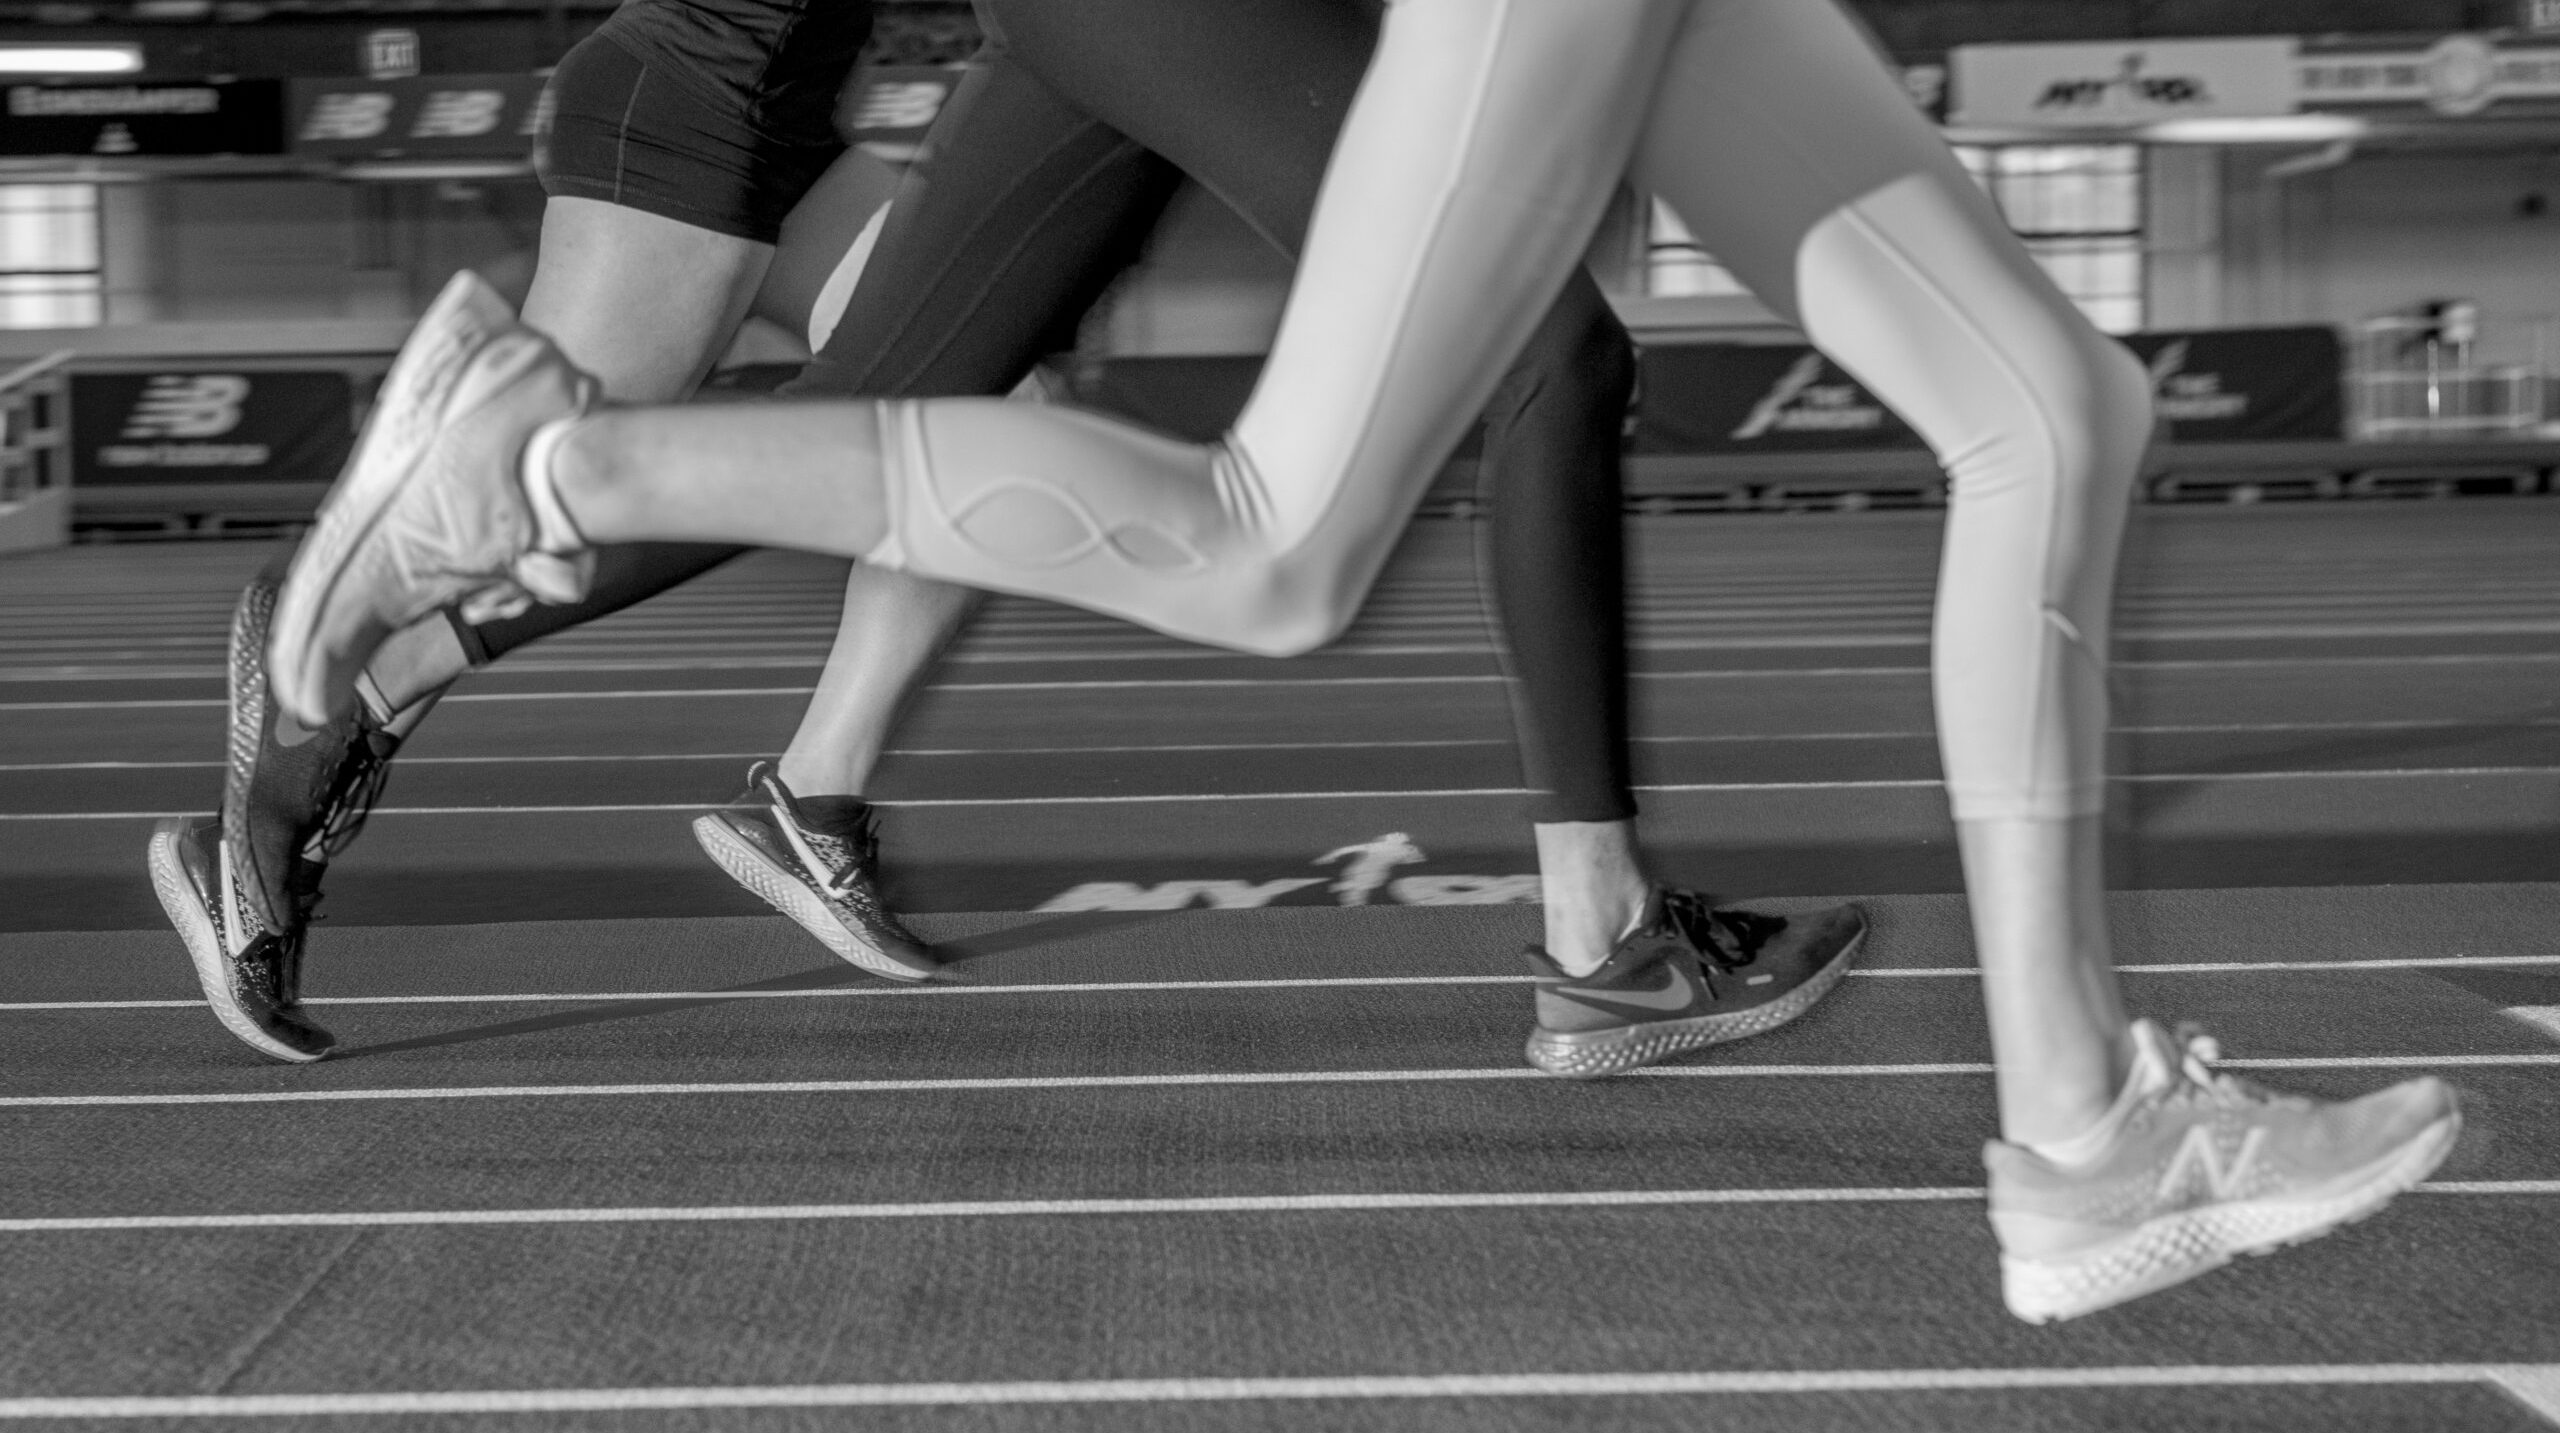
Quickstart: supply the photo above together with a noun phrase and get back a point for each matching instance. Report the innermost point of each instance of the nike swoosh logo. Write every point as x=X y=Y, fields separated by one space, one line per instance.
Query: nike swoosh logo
x=1673 y=996
x=291 y=733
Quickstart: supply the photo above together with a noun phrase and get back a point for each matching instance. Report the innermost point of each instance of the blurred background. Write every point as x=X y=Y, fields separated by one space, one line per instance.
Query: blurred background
x=2327 y=227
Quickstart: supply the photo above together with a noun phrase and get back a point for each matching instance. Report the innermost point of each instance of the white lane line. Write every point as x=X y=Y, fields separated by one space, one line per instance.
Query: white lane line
x=2498 y=659
x=1329 y=982
x=1070 y=1208
x=1694 y=788
x=1149 y=749
x=2529 y=1382
x=1197 y=1080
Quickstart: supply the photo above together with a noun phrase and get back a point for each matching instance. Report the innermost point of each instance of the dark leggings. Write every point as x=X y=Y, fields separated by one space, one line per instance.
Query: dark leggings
x=1042 y=180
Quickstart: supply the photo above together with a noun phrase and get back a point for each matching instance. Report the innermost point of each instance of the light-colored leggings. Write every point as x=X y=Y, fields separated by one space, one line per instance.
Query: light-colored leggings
x=1468 y=181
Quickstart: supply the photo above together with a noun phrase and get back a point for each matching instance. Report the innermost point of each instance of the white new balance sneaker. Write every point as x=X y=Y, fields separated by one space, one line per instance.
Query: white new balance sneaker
x=2201 y=1167
x=430 y=508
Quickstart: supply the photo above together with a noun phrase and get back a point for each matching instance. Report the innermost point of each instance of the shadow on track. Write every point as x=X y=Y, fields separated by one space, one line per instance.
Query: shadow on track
x=956 y=954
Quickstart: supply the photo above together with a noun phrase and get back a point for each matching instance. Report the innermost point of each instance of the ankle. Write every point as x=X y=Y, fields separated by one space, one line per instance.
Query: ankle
x=2081 y=1135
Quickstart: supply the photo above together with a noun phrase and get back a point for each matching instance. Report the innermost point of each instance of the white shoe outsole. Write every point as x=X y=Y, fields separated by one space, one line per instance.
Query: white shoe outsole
x=2172 y=1249
x=185 y=908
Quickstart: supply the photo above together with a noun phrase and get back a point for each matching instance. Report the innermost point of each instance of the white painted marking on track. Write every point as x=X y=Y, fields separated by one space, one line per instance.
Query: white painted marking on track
x=1070 y=1208
x=1327 y=982
x=1196 y=798
x=2545 y=1018
x=1346 y=1388
x=1159 y=748
x=1195 y=1080
x=2503 y=659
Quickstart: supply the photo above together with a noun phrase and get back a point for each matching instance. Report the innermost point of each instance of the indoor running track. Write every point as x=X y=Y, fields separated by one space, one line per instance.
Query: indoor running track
x=610 y=1149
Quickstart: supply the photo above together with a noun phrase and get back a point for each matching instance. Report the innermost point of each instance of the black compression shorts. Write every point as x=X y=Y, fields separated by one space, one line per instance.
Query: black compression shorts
x=713 y=113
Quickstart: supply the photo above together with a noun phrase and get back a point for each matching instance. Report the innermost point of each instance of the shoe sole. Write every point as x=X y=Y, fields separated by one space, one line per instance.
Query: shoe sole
x=779 y=888
x=300 y=666
x=2170 y=1250
x=184 y=905
x=1593 y=1054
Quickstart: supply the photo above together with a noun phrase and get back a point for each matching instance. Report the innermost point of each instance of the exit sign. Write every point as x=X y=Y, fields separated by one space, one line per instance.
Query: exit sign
x=2542 y=17
x=390 y=54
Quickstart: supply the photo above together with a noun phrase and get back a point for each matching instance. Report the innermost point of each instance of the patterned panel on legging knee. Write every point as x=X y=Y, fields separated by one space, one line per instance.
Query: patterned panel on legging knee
x=1469 y=176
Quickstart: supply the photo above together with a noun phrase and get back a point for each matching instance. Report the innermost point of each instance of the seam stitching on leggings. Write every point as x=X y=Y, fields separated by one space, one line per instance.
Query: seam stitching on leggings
x=1442 y=202
x=2000 y=357
x=622 y=132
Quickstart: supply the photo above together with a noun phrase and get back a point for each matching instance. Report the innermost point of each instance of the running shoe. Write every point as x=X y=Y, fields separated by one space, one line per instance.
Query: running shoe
x=1688 y=976
x=2201 y=1166
x=430 y=509
x=241 y=890
x=251 y=974
x=828 y=883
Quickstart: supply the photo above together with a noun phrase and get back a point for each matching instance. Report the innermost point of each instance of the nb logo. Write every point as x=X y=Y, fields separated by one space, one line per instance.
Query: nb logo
x=899 y=104
x=459 y=114
x=2200 y=1158
x=363 y=115
x=188 y=405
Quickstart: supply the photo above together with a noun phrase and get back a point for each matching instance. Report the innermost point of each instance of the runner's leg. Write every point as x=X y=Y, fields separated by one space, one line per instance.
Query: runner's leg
x=1860 y=225
x=1266 y=542
x=1250 y=107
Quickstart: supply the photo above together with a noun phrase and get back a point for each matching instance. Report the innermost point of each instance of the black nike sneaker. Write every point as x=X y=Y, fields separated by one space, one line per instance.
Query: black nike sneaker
x=241 y=891
x=1688 y=976
x=251 y=974
x=827 y=880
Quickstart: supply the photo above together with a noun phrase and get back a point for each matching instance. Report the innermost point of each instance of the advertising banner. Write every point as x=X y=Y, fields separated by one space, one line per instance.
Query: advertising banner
x=1756 y=398
x=2212 y=386
x=2114 y=85
x=422 y=117
x=144 y=120
x=2238 y=385
x=200 y=425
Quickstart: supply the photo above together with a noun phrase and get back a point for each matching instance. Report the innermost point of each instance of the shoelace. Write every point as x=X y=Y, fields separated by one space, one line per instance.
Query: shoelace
x=852 y=853
x=2198 y=1079
x=861 y=846
x=1729 y=938
x=353 y=793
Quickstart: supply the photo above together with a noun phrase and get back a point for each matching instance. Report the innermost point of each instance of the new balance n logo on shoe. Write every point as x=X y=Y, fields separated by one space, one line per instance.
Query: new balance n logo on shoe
x=2200 y=1157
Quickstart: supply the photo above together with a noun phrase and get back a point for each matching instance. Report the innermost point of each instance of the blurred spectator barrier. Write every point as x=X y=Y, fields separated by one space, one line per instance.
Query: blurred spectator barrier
x=2426 y=376
x=35 y=467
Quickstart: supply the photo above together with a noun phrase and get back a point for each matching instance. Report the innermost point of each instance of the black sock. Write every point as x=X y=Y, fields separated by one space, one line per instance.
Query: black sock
x=842 y=817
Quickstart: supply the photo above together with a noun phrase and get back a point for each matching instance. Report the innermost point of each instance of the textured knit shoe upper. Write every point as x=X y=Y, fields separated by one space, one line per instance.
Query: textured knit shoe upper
x=1688 y=959
x=2203 y=1165
x=251 y=974
x=292 y=796
x=834 y=879
x=1687 y=976
x=430 y=509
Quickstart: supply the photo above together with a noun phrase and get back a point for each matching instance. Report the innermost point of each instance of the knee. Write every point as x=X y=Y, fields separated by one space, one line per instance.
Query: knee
x=1285 y=623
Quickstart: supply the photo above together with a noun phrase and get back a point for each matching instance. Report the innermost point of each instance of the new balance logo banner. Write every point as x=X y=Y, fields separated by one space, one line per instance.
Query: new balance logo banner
x=197 y=426
x=428 y=116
